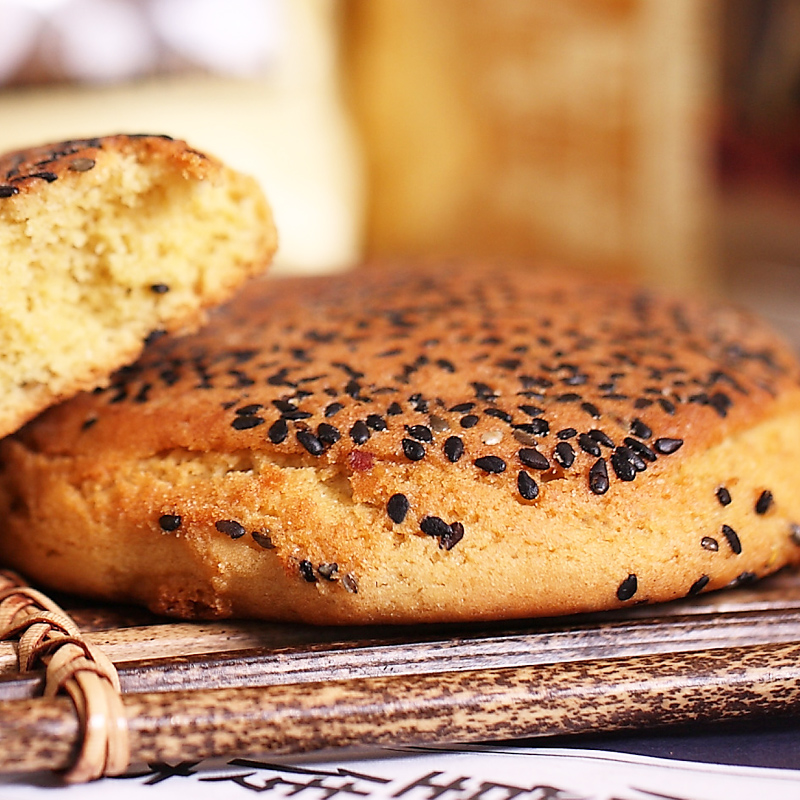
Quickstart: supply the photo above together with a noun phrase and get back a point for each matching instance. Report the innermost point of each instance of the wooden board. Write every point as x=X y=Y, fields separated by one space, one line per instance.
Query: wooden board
x=198 y=690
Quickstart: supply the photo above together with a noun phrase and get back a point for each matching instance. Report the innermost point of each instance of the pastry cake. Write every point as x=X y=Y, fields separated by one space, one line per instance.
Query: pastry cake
x=104 y=242
x=405 y=445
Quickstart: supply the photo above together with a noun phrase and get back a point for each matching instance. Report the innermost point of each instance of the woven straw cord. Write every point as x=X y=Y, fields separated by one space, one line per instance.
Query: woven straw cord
x=46 y=635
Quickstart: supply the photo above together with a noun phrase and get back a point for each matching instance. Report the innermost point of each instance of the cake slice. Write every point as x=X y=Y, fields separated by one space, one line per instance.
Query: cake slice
x=104 y=242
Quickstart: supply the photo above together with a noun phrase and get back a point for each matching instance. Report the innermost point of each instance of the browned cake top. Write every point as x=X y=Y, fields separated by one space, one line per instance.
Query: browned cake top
x=523 y=376
x=32 y=169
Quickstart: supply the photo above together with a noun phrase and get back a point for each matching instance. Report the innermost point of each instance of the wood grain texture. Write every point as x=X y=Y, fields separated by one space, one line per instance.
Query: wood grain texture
x=192 y=691
x=476 y=705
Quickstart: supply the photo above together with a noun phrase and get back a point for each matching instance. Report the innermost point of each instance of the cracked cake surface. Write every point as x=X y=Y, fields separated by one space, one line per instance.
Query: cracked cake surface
x=406 y=444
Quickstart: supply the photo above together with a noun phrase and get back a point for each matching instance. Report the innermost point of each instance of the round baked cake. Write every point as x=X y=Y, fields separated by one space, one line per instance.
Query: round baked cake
x=102 y=242
x=406 y=445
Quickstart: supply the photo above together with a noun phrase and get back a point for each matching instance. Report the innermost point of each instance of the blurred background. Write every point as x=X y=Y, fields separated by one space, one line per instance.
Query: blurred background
x=651 y=139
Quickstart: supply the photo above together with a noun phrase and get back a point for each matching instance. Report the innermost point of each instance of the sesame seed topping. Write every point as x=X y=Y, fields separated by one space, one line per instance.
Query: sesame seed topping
x=310 y=443
x=533 y=458
x=159 y=288
x=439 y=424
x=307 y=571
x=627 y=588
x=376 y=422
x=470 y=421
x=709 y=543
x=413 y=450
x=394 y=409
x=332 y=409
x=531 y=411
x=566 y=433
x=397 y=508
x=588 y=445
x=638 y=428
x=278 y=431
x=591 y=409
x=598 y=477
x=263 y=540
x=601 y=437
x=81 y=164
x=497 y=413
x=245 y=421
x=724 y=496
x=564 y=454
x=732 y=538
x=667 y=446
x=462 y=408
x=328 y=434
x=491 y=464
x=434 y=526
x=230 y=528
x=453 y=448
x=527 y=486
x=420 y=432
x=170 y=522
x=492 y=437
x=764 y=502
x=449 y=541
x=640 y=449
x=699 y=585
x=359 y=433
x=8 y=191
x=349 y=583
x=623 y=468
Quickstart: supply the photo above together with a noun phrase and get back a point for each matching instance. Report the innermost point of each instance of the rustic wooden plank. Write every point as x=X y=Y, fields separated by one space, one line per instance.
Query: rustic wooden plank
x=475 y=705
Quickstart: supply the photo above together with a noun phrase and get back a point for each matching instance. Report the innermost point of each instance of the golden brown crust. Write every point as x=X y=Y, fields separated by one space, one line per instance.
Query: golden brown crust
x=106 y=240
x=431 y=444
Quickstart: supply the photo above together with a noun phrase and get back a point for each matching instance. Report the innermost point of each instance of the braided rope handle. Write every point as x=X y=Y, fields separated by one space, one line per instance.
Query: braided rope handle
x=46 y=635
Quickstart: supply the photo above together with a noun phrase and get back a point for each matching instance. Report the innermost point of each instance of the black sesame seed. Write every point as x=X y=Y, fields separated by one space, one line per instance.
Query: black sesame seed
x=588 y=445
x=310 y=443
x=278 y=431
x=537 y=427
x=566 y=433
x=569 y=397
x=453 y=537
x=434 y=526
x=307 y=571
x=470 y=421
x=328 y=571
x=598 y=477
x=263 y=540
x=699 y=585
x=528 y=488
x=732 y=538
x=591 y=409
x=637 y=462
x=709 y=543
x=413 y=450
x=159 y=288
x=627 y=588
x=533 y=458
x=245 y=421
x=328 y=434
x=724 y=496
x=359 y=433
x=462 y=408
x=638 y=428
x=397 y=508
x=453 y=448
x=349 y=583
x=640 y=449
x=497 y=413
x=764 y=502
x=564 y=454
x=623 y=468
x=601 y=437
x=531 y=411
x=420 y=432
x=667 y=405
x=743 y=579
x=230 y=528
x=491 y=464
x=246 y=411
x=332 y=409
x=8 y=191
x=170 y=522
x=667 y=446
x=376 y=422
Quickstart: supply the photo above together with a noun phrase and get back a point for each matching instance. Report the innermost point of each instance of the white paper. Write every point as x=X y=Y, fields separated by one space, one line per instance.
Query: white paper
x=480 y=773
